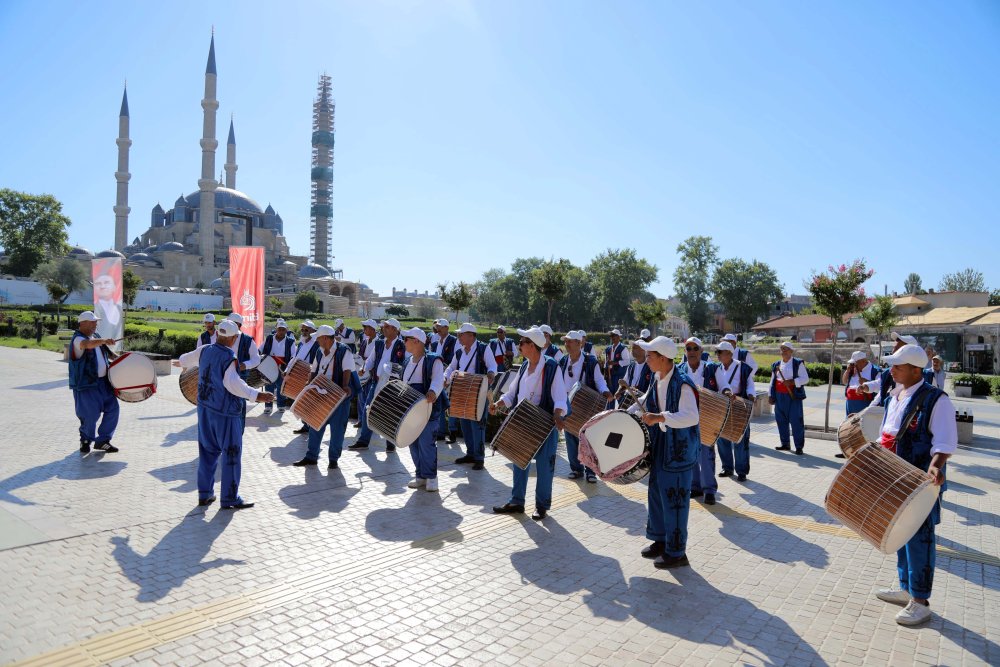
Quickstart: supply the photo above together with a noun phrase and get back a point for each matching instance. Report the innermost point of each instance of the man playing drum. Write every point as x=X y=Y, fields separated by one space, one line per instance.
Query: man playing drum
x=385 y=352
x=336 y=362
x=306 y=350
x=540 y=382
x=280 y=346
x=502 y=349
x=786 y=394
x=582 y=368
x=734 y=378
x=702 y=373
x=550 y=349
x=93 y=396
x=884 y=384
x=919 y=426
x=471 y=357
x=444 y=347
x=858 y=372
x=638 y=375
x=345 y=335
x=742 y=355
x=244 y=347
x=671 y=407
x=423 y=372
x=616 y=360
x=366 y=345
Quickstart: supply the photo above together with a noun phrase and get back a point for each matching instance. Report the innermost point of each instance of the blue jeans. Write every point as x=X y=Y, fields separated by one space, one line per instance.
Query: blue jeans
x=915 y=561
x=424 y=452
x=90 y=405
x=276 y=390
x=617 y=373
x=788 y=412
x=545 y=464
x=365 y=433
x=219 y=436
x=573 y=454
x=474 y=434
x=337 y=424
x=703 y=475
x=737 y=461
x=669 y=498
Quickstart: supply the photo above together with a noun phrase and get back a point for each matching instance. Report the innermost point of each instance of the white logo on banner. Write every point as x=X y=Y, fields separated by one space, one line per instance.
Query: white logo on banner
x=248 y=304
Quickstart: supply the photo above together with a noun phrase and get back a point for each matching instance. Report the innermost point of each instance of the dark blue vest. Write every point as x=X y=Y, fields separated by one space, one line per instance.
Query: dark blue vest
x=500 y=349
x=548 y=375
x=913 y=442
x=397 y=356
x=351 y=346
x=588 y=348
x=286 y=353
x=708 y=375
x=615 y=357
x=205 y=337
x=587 y=373
x=800 y=392
x=212 y=393
x=446 y=348
x=678 y=447
x=480 y=352
x=441 y=403
x=83 y=371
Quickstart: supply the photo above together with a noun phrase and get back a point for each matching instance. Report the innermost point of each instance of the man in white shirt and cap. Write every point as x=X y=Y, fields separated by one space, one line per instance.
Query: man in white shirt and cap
x=882 y=386
x=444 y=347
x=583 y=369
x=93 y=396
x=280 y=346
x=919 y=426
x=540 y=382
x=502 y=349
x=616 y=359
x=859 y=371
x=645 y=336
x=471 y=357
x=387 y=353
x=306 y=350
x=786 y=393
x=702 y=373
x=550 y=349
x=244 y=347
x=207 y=336
x=936 y=374
x=588 y=346
x=366 y=344
x=335 y=362
x=742 y=355
x=734 y=378
x=423 y=372
x=345 y=335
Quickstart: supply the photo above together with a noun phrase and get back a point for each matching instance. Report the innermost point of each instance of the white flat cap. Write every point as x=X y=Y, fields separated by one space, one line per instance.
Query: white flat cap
x=308 y=324
x=228 y=328
x=441 y=323
x=281 y=324
x=325 y=330
x=466 y=328
x=338 y=322
x=695 y=340
x=730 y=337
x=574 y=335
x=87 y=316
x=787 y=344
x=615 y=332
x=392 y=322
x=534 y=334
x=502 y=328
x=661 y=345
x=908 y=354
x=909 y=340
x=369 y=323
x=644 y=333
x=415 y=332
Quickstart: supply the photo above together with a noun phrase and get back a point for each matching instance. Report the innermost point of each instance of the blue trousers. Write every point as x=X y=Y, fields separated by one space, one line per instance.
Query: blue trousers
x=545 y=464
x=854 y=407
x=90 y=405
x=276 y=390
x=474 y=434
x=573 y=454
x=424 y=452
x=669 y=499
x=219 y=436
x=446 y=425
x=735 y=456
x=365 y=433
x=703 y=475
x=915 y=561
x=338 y=424
x=788 y=412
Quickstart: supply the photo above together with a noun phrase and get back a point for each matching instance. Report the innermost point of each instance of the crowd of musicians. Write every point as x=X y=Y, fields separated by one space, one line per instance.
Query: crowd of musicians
x=918 y=423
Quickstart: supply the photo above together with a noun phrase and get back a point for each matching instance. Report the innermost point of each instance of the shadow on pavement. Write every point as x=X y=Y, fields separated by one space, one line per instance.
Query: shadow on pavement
x=782 y=503
x=478 y=488
x=808 y=460
x=420 y=521
x=318 y=494
x=391 y=471
x=770 y=541
x=74 y=466
x=617 y=511
x=43 y=386
x=185 y=473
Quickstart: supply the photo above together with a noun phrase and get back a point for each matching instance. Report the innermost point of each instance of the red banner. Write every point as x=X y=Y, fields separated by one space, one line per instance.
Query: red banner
x=107 y=277
x=246 y=281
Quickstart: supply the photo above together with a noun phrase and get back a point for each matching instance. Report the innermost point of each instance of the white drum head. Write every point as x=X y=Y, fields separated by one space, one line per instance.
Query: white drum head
x=909 y=518
x=871 y=422
x=615 y=438
x=413 y=424
x=131 y=370
x=269 y=368
x=484 y=391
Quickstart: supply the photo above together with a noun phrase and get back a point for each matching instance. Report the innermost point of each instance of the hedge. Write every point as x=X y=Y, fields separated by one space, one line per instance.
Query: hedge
x=980 y=385
x=817 y=371
x=995 y=388
x=145 y=338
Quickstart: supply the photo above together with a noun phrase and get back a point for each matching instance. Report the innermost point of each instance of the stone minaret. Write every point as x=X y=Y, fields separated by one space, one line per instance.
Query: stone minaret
x=207 y=182
x=122 y=176
x=231 y=158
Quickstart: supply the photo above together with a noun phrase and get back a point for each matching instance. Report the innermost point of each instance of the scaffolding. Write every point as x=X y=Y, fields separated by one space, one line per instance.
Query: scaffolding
x=321 y=211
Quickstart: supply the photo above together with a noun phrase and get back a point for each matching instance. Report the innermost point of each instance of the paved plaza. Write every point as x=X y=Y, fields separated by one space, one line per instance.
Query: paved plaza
x=108 y=559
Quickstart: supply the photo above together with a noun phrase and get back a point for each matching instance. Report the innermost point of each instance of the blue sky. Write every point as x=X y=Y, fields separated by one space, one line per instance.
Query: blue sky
x=471 y=133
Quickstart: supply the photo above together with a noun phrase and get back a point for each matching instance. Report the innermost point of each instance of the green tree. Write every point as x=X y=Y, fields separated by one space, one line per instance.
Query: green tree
x=881 y=316
x=489 y=306
x=515 y=290
x=32 y=229
x=397 y=310
x=745 y=290
x=458 y=297
x=913 y=284
x=649 y=313
x=130 y=287
x=618 y=277
x=576 y=309
x=61 y=278
x=967 y=280
x=549 y=281
x=426 y=309
x=692 y=278
x=306 y=302
x=995 y=297
x=837 y=293
x=275 y=303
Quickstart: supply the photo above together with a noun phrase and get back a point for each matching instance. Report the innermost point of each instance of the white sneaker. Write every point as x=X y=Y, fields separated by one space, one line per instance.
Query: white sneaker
x=914 y=614
x=417 y=483
x=893 y=595
x=432 y=484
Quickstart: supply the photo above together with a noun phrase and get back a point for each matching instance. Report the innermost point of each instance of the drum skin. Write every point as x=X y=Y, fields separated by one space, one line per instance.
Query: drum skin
x=713 y=411
x=133 y=377
x=616 y=444
x=468 y=394
x=740 y=410
x=188 y=381
x=399 y=413
x=523 y=433
x=318 y=401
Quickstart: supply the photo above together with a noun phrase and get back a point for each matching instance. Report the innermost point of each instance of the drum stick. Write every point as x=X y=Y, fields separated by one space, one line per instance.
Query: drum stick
x=635 y=394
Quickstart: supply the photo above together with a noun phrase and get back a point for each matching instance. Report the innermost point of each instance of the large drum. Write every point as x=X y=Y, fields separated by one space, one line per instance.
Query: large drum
x=501 y=383
x=189 y=384
x=859 y=429
x=740 y=410
x=468 y=394
x=133 y=377
x=399 y=413
x=523 y=433
x=584 y=403
x=881 y=497
x=616 y=445
x=266 y=372
x=713 y=410
x=296 y=378
x=318 y=401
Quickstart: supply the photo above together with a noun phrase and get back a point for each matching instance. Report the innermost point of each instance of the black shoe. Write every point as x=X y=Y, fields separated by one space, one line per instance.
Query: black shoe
x=741 y=478
x=478 y=465
x=105 y=447
x=243 y=505
x=709 y=498
x=666 y=562
x=726 y=473
x=301 y=429
x=591 y=479
x=509 y=509
x=465 y=459
x=539 y=514
x=784 y=448
x=697 y=494
x=305 y=462
x=389 y=447
x=452 y=438
x=840 y=456
x=654 y=550
x=333 y=465
x=84 y=446
x=438 y=437
x=205 y=502
x=358 y=445
x=799 y=452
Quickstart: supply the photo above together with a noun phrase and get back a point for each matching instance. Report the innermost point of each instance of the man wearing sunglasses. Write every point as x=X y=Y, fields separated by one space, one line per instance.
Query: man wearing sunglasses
x=702 y=373
x=583 y=369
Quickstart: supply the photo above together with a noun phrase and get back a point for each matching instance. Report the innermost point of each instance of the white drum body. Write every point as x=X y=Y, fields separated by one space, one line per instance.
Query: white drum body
x=133 y=377
x=265 y=373
x=399 y=413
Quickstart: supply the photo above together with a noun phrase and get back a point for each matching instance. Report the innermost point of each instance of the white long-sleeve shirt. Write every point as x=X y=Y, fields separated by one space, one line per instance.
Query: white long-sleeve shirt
x=731 y=379
x=626 y=356
x=687 y=408
x=384 y=359
x=323 y=364
x=231 y=380
x=468 y=362
x=344 y=336
x=574 y=374
x=413 y=373
x=944 y=431
x=303 y=347
x=801 y=380
x=531 y=387
x=254 y=354
x=865 y=375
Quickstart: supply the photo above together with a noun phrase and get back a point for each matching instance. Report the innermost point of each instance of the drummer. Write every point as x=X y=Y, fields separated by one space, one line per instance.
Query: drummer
x=222 y=395
x=502 y=349
x=735 y=378
x=93 y=397
x=471 y=357
x=423 y=371
x=550 y=349
x=365 y=347
x=616 y=359
x=787 y=393
x=884 y=385
x=928 y=441
x=671 y=407
x=336 y=363
x=345 y=335
x=385 y=352
x=540 y=382
x=244 y=347
x=280 y=346
x=638 y=375
x=702 y=373
x=582 y=368
x=306 y=350
x=645 y=335
x=443 y=344
x=207 y=336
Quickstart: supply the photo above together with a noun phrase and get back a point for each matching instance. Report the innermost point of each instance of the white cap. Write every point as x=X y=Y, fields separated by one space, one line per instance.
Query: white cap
x=534 y=334
x=281 y=324
x=235 y=317
x=442 y=322
x=209 y=317
x=730 y=337
x=787 y=344
x=615 y=332
x=392 y=322
x=325 y=330
x=858 y=355
x=338 y=322
x=87 y=316
x=574 y=335
x=908 y=354
x=502 y=328
x=909 y=340
x=644 y=333
x=415 y=332
x=228 y=328
x=725 y=346
x=466 y=328
x=583 y=333
x=369 y=323
x=938 y=357
x=661 y=345
x=308 y=324
x=545 y=328
x=695 y=340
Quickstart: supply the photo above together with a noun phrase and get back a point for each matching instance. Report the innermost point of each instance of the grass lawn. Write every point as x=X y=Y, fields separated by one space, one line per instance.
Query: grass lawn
x=51 y=343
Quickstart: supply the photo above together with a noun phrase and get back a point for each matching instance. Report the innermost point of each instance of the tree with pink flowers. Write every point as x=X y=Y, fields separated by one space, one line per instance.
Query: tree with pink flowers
x=838 y=292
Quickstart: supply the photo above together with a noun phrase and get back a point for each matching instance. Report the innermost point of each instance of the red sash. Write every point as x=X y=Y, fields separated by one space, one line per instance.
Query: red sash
x=854 y=395
x=889 y=442
x=780 y=387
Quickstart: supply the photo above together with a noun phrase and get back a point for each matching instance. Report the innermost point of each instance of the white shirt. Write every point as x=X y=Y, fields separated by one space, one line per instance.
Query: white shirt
x=944 y=431
x=102 y=367
x=214 y=335
x=323 y=364
x=865 y=374
x=626 y=355
x=303 y=347
x=468 y=363
x=749 y=361
x=413 y=373
x=723 y=375
x=347 y=339
x=801 y=380
x=687 y=408
x=697 y=375
x=939 y=377
x=577 y=374
x=231 y=380
x=386 y=357
x=254 y=353
x=532 y=389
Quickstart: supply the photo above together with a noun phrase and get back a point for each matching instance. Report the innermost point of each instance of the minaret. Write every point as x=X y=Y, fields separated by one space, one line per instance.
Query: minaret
x=122 y=176
x=322 y=174
x=207 y=182
x=231 y=158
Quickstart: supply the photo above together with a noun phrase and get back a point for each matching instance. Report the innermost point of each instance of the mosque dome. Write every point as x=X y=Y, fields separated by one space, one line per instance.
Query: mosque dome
x=289 y=262
x=218 y=283
x=171 y=246
x=313 y=271
x=143 y=258
x=110 y=253
x=80 y=251
x=227 y=199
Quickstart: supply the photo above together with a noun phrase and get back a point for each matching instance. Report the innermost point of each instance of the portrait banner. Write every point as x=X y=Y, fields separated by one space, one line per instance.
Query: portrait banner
x=246 y=280
x=106 y=274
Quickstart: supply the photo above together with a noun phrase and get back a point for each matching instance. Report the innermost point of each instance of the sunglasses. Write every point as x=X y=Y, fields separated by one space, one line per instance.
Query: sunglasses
x=692 y=348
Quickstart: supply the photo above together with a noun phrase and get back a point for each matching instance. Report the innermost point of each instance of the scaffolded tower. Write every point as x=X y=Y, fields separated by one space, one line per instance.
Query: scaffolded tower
x=321 y=247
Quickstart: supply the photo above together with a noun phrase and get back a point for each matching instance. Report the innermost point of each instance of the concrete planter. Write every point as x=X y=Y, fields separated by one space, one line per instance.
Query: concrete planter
x=762 y=406
x=817 y=433
x=161 y=362
x=963 y=392
x=965 y=432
